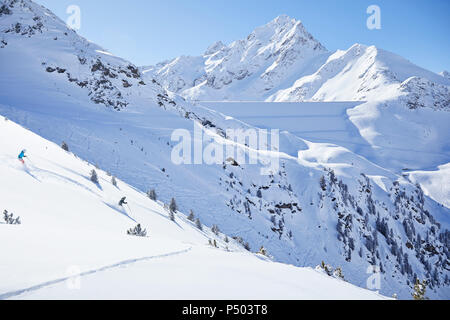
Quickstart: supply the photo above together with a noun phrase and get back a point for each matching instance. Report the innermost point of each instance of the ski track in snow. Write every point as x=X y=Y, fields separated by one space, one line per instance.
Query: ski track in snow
x=11 y=294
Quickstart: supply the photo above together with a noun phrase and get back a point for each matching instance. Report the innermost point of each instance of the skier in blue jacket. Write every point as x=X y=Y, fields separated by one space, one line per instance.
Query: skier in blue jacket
x=22 y=155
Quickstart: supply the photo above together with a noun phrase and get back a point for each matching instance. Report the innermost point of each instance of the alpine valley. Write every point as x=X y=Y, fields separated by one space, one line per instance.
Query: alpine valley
x=362 y=183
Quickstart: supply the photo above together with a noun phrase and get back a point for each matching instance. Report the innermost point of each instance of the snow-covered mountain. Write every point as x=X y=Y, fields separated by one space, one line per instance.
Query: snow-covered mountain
x=246 y=69
x=388 y=86
x=281 y=61
x=329 y=203
x=99 y=76
x=365 y=73
x=73 y=242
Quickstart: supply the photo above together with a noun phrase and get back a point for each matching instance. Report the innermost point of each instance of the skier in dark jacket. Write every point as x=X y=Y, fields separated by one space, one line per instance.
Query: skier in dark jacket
x=123 y=201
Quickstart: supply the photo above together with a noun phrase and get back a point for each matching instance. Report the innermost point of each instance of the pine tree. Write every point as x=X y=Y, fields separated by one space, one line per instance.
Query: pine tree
x=420 y=289
x=323 y=183
x=65 y=146
x=191 y=216
x=263 y=251
x=173 y=206
x=94 y=177
x=9 y=218
x=198 y=224
x=215 y=229
x=152 y=194
x=137 y=231
x=327 y=268
x=6 y=216
x=338 y=273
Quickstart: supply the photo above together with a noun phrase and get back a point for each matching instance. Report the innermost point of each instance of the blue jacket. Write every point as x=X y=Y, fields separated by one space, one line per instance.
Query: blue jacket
x=22 y=155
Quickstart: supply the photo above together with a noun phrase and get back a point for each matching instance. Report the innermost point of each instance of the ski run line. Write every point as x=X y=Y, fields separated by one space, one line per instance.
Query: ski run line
x=7 y=295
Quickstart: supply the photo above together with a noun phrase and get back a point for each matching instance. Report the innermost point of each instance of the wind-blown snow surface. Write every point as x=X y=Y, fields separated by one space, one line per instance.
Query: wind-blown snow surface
x=73 y=235
x=330 y=204
x=391 y=136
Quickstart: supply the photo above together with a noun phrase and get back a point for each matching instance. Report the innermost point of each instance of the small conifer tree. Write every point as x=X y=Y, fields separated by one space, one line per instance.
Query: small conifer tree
x=137 y=231
x=173 y=206
x=152 y=194
x=215 y=229
x=94 y=177
x=263 y=251
x=323 y=183
x=9 y=218
x=198 y=224
x=259 y=194
x=338 y=273
x=191 y=216
x=420 y=289
x=65 y=146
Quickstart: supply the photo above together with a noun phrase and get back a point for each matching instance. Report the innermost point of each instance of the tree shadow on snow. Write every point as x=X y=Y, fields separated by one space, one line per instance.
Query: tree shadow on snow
x=119 y=211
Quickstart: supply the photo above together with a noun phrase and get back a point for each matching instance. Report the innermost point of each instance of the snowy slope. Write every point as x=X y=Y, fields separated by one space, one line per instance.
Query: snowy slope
x=71 y=226
x=434 y=183
x=393 y=137
x=127 y=131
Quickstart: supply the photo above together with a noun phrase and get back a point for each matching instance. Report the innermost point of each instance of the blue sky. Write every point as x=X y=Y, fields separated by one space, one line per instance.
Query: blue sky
x=149 y=31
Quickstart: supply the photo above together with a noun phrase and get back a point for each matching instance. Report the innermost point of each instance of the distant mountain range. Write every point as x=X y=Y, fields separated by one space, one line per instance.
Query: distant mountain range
x=282 y=61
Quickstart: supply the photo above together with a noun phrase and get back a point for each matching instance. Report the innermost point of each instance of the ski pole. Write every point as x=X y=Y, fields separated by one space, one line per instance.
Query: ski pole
x=131 y=212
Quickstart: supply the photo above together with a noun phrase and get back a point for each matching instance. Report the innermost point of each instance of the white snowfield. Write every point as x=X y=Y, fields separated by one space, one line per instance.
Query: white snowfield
x=414 y=143
x=339 y=195
x=72 y=243
x=400 y=121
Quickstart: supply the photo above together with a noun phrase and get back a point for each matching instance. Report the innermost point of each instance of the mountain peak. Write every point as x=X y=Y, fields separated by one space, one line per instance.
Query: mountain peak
x=285 y=32
x=284 y=19
x=279 y=24
x=216 y=46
